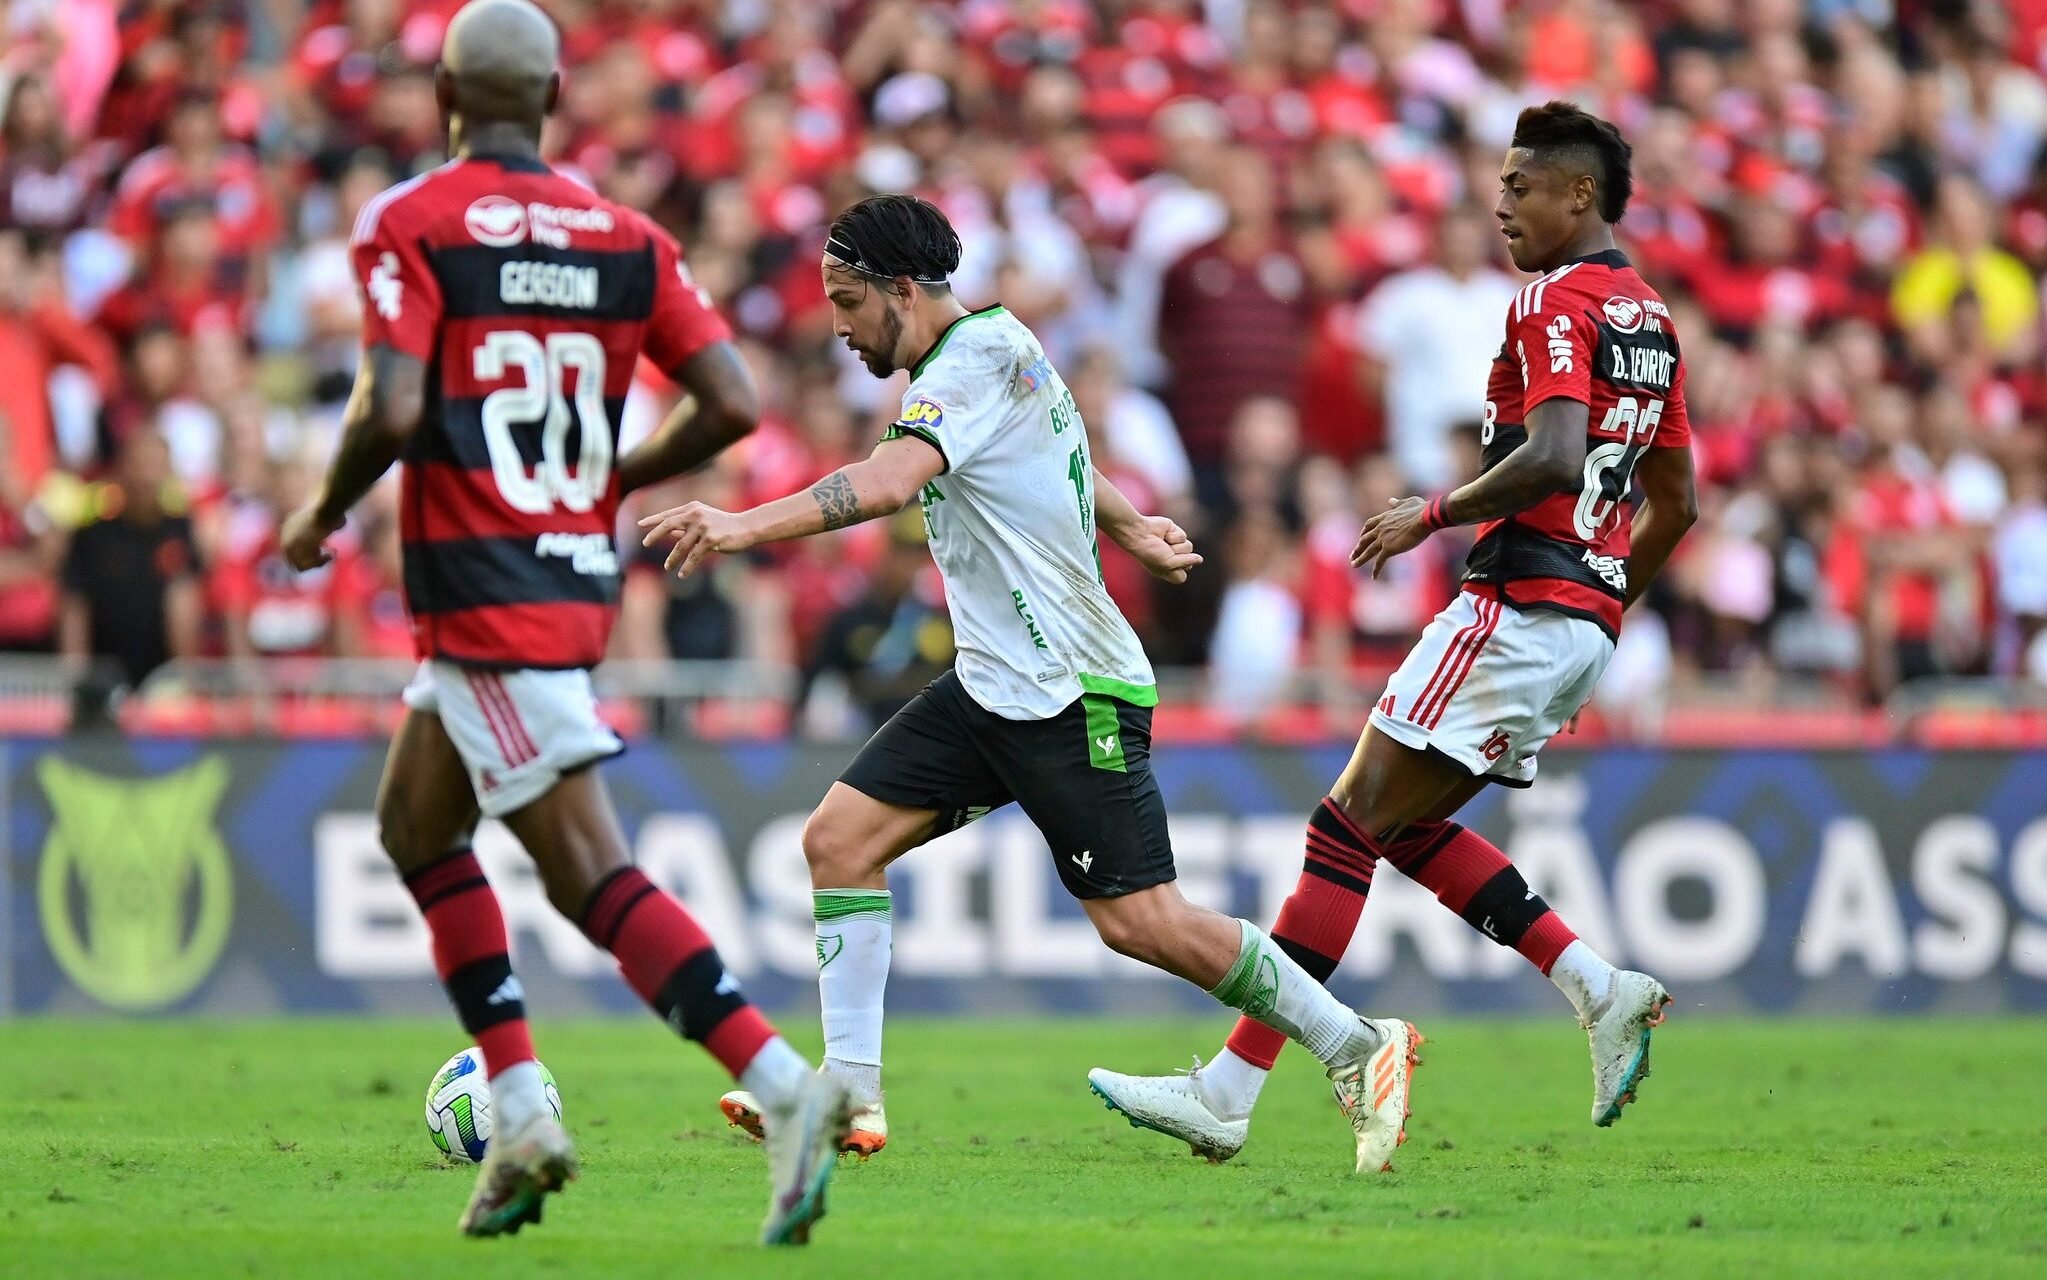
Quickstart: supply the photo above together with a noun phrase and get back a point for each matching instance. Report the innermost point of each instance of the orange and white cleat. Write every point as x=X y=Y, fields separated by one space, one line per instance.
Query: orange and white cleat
x=1619 y=1031
x=743 y=1111
x=869 y=1131
x=868 y=1135
x=1373 y=1091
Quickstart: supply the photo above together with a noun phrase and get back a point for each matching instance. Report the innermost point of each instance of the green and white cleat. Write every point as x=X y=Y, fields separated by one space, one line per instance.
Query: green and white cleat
x=803 y=1141
x=1619 y=1031
x=1373 y=1091
x=520 y=1170
x=1172 y=1105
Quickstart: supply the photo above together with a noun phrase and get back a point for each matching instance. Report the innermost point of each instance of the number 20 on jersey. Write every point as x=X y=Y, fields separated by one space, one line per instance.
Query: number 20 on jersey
x=544 y=368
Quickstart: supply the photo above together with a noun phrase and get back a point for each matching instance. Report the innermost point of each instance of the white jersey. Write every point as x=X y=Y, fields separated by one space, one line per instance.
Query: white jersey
x=1011 y=523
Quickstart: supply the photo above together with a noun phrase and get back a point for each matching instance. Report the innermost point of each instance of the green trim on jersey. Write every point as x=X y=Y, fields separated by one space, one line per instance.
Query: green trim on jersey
x=898 y=430
x=838 y=904
x=1104 y=734
x=1137 y=695
x=917 y=370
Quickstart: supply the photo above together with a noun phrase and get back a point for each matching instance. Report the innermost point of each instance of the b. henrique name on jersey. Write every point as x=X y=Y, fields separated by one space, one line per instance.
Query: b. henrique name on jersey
x=531 y=299
x=1592 y=331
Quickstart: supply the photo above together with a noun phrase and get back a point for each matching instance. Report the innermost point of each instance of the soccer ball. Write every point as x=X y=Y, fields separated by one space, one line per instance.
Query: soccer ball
x=458 y=1106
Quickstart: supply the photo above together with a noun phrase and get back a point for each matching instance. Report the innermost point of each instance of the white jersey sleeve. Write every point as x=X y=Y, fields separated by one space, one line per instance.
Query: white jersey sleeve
x=1011 y=525
x=941 y=411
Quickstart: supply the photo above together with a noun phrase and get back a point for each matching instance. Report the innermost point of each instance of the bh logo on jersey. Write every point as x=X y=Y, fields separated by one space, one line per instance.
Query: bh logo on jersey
x=498 y=221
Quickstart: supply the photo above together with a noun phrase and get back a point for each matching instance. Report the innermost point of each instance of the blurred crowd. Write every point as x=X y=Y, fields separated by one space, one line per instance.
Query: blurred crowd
x=1254 y=235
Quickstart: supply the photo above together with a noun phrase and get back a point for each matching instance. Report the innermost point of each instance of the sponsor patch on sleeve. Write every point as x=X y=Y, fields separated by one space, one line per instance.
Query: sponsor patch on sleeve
x=924 y=412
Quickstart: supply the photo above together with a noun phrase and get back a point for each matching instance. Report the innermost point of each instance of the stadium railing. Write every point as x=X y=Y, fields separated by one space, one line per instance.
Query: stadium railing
x=43 y=696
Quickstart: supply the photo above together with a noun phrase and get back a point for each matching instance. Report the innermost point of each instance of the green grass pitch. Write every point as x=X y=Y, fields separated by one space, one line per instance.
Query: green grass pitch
x=297 y=1149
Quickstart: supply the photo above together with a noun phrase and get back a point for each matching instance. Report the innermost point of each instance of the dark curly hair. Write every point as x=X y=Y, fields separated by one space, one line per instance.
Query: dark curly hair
x=884 y=237
x=1563 y=133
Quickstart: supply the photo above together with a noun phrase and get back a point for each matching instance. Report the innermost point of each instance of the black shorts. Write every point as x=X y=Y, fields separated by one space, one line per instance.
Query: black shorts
x=1083 y=777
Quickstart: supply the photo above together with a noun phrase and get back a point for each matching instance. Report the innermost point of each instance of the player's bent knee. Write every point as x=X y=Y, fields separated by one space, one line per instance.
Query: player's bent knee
x=835 y=852
x=1138 y=926
x=1389 y=785
x=569 y=888
x=570 y=878
x=400 y=838
x=1367 y=798
x=1125 y=937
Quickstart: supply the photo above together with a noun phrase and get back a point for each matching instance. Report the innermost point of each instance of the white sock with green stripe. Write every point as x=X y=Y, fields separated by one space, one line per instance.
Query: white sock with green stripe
x=1266 y=984
x=853 y=943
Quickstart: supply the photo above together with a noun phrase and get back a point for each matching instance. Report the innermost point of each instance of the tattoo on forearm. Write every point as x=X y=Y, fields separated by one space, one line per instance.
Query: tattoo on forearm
x=836 y=499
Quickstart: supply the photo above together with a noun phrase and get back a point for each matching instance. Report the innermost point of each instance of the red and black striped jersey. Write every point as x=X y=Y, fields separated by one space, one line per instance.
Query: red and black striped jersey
x=531 y=299
x=1595 y=332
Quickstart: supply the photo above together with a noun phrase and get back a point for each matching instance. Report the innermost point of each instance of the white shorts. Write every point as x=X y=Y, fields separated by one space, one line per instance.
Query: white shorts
x=517 y=732
x=1488 y=684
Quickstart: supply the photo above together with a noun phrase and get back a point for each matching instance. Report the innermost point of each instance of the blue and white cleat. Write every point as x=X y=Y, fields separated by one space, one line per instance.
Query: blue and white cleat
x=1619 y=1031
x=803 y=1140
x=1172 y=1105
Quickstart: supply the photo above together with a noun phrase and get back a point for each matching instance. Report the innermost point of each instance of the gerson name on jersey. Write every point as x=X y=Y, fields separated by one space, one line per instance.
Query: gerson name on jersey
x=530 y=300
x=547 y=284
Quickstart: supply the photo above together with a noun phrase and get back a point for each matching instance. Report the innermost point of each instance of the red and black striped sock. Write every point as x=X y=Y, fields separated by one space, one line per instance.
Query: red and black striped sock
x=668 y=958
x=1318 y=918
x=473 y=957
x=1469 y=875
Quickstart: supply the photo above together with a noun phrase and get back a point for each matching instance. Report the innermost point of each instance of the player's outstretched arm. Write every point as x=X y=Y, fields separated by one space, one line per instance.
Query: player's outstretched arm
x=881 y=484
x=1670 y=506
x=1156 y=542
x=722 y=408
x=1550 y=461
x=383 y=411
